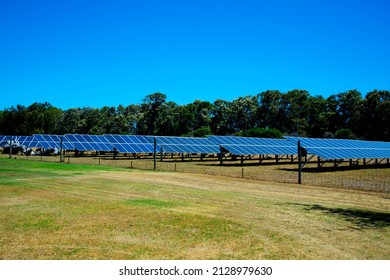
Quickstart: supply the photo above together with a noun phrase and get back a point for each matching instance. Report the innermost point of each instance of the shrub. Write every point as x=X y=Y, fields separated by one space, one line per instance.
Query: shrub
x=262 y=132
x=345 y=133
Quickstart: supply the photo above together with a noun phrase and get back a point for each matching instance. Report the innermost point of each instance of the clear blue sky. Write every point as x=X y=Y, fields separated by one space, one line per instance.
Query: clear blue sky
x=96 y=53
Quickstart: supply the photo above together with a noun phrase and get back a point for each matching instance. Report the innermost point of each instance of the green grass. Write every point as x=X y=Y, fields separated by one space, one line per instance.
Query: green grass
x=70 y=211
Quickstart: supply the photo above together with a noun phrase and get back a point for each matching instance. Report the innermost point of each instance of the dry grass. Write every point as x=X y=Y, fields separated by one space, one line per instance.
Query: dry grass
x=60 y=211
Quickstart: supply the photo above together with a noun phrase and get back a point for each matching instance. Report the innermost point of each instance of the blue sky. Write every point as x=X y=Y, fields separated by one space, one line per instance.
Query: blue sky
x=98 y=53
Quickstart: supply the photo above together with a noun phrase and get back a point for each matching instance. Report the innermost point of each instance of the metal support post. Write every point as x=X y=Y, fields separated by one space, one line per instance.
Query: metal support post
x=155 y=153
x=10 y=147
x=61 y=151
x=299 y=163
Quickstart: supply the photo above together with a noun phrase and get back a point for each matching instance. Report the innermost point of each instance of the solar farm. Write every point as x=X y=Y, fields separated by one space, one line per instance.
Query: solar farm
x=220 y=197
x=320 y=161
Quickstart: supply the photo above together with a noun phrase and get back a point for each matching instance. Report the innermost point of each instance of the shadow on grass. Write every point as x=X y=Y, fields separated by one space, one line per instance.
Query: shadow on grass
x=362 y=219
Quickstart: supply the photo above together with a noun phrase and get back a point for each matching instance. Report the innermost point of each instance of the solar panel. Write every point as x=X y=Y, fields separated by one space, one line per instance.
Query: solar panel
x=173 y=144
x=30 y=142
x=255 y=146
x=130 y=143
x=27 y=141
x=85 y=142
x=3 y=140
x=52 y=141
x=344 y=148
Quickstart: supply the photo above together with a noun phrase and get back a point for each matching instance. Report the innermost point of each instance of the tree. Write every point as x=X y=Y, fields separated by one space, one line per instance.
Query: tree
x=344 y=133
x=89 y=121
x=201 y=111
x=150 y=113
x=202 y=132
x=262 y=133
x=132 y=115
x=316 y=116
x=292 y=118
x=221 y=115
x=167 y=119
x=13 y=120
x=268 y=108
x=186 y=120
x=376 y=116
x=350 y=108
x=243 y=113
x=332 y=115
x=69 y=122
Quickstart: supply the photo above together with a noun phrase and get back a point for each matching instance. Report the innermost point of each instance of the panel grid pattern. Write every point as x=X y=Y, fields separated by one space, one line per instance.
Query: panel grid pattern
x=255 y=146
x=52 y=141
x=172 y=144
x=85 y=142
x=28 y=141
x=344 y=148
x=3 y=140
x=130 y=143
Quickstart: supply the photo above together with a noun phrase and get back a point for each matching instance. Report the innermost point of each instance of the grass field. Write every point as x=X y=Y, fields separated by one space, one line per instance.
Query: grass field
x=70 y=211
x=367 y=178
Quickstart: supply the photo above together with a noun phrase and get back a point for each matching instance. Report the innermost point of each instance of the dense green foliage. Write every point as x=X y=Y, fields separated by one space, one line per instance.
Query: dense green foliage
x=262 y=133
x=348 y=113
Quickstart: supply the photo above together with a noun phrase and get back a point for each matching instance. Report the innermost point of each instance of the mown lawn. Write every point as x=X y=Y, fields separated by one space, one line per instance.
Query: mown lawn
x=70 y=211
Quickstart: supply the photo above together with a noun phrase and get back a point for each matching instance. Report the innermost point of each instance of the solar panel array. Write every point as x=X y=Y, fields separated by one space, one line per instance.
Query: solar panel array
x=255 y=146
x=28 y=141
x=173 y=144
x=85 y=142
x=324 y=148
x=343 y=148
x=3 y=140
x=47 y=141
x=131 y=143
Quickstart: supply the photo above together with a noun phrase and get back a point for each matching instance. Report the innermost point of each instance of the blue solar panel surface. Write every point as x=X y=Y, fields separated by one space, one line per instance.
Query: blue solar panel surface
x=52 y=141
x=30 y=142
x=85 y=142
x=27 y=141
x=173 y=144
x=3 y=140
x=130 y=143
x=344 y=148
x=255 y=146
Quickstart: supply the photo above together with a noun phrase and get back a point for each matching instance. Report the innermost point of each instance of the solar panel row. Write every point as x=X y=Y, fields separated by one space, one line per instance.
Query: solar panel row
x=172 y=144
x=255 y=146
x=84 y=142
x=28 y=141
x=130 y=143
x=344 y=153
x=344 y=143
x=260 y=150
x=3 y=140
x=324 y=148
x=344 y=149
x=179 y=148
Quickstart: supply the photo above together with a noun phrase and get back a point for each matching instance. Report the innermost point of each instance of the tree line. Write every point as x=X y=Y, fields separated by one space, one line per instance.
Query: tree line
x=296 y=112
